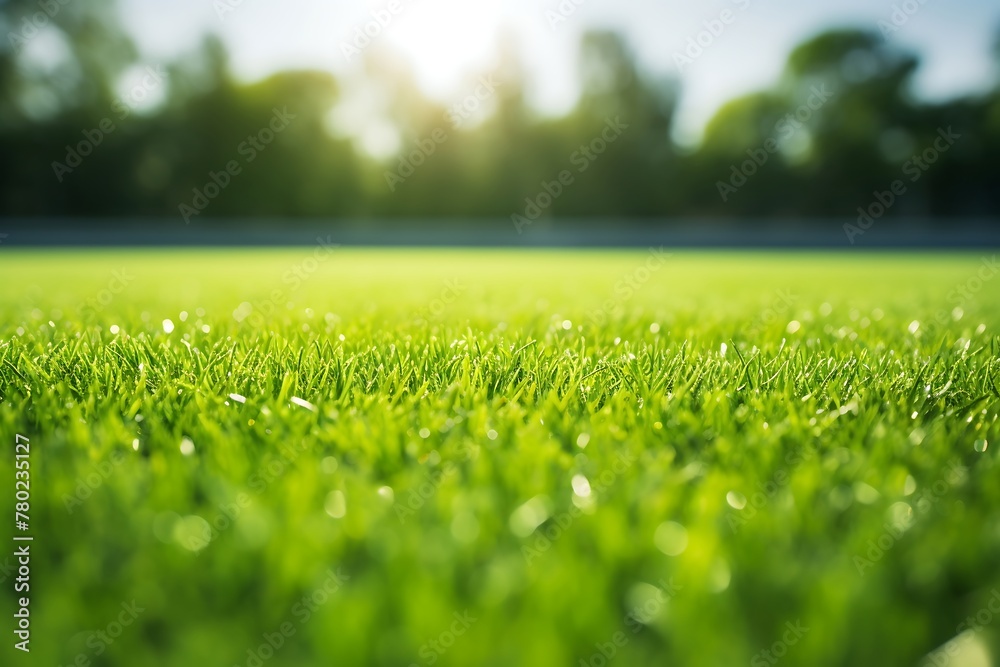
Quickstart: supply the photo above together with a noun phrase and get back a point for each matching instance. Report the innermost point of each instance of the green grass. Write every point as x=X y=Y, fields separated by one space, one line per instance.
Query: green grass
x=463 y=433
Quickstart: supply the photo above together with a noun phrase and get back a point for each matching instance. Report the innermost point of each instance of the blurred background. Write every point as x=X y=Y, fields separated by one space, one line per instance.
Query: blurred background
x=526 y=117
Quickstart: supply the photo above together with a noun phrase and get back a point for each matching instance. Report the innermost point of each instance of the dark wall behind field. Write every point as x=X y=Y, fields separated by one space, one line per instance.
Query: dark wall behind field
x=839 y=136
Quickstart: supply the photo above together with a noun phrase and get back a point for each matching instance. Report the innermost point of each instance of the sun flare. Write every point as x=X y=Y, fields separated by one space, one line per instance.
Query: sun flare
x=443 y=40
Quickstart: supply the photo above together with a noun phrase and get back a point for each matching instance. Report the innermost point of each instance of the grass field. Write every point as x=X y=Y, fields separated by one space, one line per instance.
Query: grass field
x=350 y=457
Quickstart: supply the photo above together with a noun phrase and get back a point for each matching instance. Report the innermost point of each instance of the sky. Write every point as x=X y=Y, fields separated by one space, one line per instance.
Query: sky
x=446 y=40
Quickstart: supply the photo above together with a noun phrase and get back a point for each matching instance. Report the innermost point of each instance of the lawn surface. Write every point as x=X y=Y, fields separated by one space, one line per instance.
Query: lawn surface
x=348 y=457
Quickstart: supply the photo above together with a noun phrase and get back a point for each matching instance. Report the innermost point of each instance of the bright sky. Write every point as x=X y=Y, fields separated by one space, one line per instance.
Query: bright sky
x=443 y=40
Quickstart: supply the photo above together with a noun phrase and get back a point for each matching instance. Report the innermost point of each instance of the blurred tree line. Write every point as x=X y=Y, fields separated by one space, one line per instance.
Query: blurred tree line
x=833 y=135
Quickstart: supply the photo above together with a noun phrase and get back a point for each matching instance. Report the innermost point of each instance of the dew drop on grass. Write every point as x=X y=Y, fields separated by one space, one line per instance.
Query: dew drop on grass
x=425 y=433
x=238 y=398
x=336 y=504
x=135 y=444
x=302 y=403
x=981 y=445
x=736 y=500
x=529 y=516
x=581 y=486
x=114 y=329
x=793 y=326
x=671 y=538
x=914 y=326
x=387 y=494
x=492 y=435
x=865 y=493
x=168 y=326
x=583 y=440
x=187 y=446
